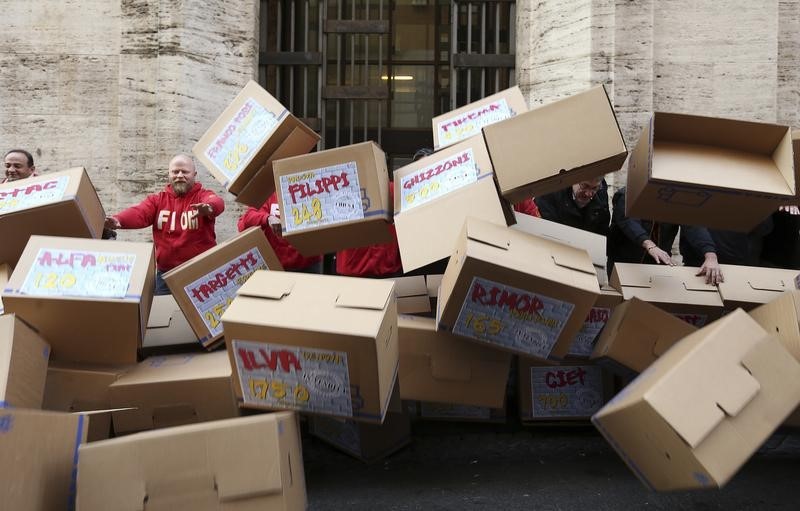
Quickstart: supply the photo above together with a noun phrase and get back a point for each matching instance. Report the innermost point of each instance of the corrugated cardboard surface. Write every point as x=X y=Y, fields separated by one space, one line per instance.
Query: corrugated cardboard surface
x=367 y=442
x=412 y=295
x=781 y=318
x=167 y=325
x=636 y=335
x=173 y=390
x=39 y=453
x=289 y=137
x=440 y=367
x=695 y=416
x=373 y=179
x=228 y=262
x=556 y=282
x=748 y=286
x=556 y=145
x=82 y=388
x=721 y=173
x=428 y=232
x=573 y=390
x=83 y=328
x=675 y=289
x=340 y=329
x=467 y=121
x=67 y=205
x=23 y=364
x=236 y=464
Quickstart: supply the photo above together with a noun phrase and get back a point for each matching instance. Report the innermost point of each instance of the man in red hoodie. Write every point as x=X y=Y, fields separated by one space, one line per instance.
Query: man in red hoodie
x=268 y=217
x=182 y=216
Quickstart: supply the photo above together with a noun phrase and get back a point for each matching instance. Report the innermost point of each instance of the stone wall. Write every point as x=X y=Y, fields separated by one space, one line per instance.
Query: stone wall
x=120 y=86
x=728 y=58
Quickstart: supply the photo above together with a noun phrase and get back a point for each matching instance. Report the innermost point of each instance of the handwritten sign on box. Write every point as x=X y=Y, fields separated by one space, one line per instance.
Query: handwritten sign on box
x=471 y=122
x=319 y=197
x=566 y=391
x=27 y=196
x=517 y=319
x=79 y=273
x=437 y=179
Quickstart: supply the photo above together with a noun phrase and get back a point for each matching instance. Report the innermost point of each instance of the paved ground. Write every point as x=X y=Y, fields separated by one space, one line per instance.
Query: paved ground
x=470 y=466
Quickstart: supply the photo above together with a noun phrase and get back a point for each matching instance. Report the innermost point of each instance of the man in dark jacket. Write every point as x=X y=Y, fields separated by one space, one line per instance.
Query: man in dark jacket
x=583 y=206
x=632 y=240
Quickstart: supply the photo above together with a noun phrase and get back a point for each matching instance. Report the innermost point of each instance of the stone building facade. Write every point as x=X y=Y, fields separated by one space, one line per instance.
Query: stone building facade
x=119 y=87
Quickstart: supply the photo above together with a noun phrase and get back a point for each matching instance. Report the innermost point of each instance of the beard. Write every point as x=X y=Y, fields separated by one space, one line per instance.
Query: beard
x=180 y=188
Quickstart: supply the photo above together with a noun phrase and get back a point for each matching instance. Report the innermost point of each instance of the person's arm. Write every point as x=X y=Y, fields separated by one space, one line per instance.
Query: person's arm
x=253 y=218
x=700 y=239
x=211 y=205
x=135 y=217
x=633 y=229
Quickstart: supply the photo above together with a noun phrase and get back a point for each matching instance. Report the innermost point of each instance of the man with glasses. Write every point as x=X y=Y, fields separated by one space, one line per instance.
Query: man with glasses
x=583 y=205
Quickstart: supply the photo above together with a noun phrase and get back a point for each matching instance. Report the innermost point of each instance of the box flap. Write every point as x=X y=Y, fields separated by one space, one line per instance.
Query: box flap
x=711 y=382
x=276 y=287
x=364 y=298
x=161 y=311
x=488 y=233
x=574 y=261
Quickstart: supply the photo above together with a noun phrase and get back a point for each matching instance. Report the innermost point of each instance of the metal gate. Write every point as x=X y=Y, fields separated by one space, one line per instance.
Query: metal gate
x=357 y=70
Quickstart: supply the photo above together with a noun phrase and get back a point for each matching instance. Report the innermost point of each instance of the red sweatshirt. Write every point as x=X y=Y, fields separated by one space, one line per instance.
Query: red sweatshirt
x=178 y=232
x=528 y=206
x=289 y=257
x=374 y=260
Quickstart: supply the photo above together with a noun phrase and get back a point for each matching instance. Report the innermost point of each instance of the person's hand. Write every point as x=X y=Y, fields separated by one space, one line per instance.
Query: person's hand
x=711 y=269
x=792 y=210
x=274 y=223
x=111 y=223
x=658 y=255
x=203 y=209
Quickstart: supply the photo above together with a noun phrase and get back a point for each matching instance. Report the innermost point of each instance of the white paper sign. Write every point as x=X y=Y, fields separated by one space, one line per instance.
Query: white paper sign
x=583 y=345
x=438 y=179
x=566 y=391
x=526 y=322
x=212 y=293
x=292 y=377
x=471 y=122
x=60 y=272
x=320 y=197
x=26 y=196
x=242 y=136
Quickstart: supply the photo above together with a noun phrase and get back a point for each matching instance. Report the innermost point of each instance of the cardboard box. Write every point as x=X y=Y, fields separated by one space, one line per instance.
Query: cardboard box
x=567 y=392
x=467 y=121
x=314 y=343
x=39 y=453
x=23 y=364
x=750 y=286
x=249 y=135
x=82 y=388
x=5 y=274
x=721 y=173
x=452 y=412
x=636 y=335
x=433 y=282
x=556 y=145
x=54 y=204
x=584 y=342
x=206 y=284
x=675 y=289
x=516 y=292
x=89 y=298
x=167 y=325
x=236 y=464
x=695 y=416
x=412 y=295
x=440 y=367
x=366 y=442
x=592 y=243
x=781 y=318
x=335 y=199
x=434 y=195
x=173 y=390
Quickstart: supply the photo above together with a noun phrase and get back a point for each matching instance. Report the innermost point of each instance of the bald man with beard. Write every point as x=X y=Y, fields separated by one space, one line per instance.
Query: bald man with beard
x=182 y=216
